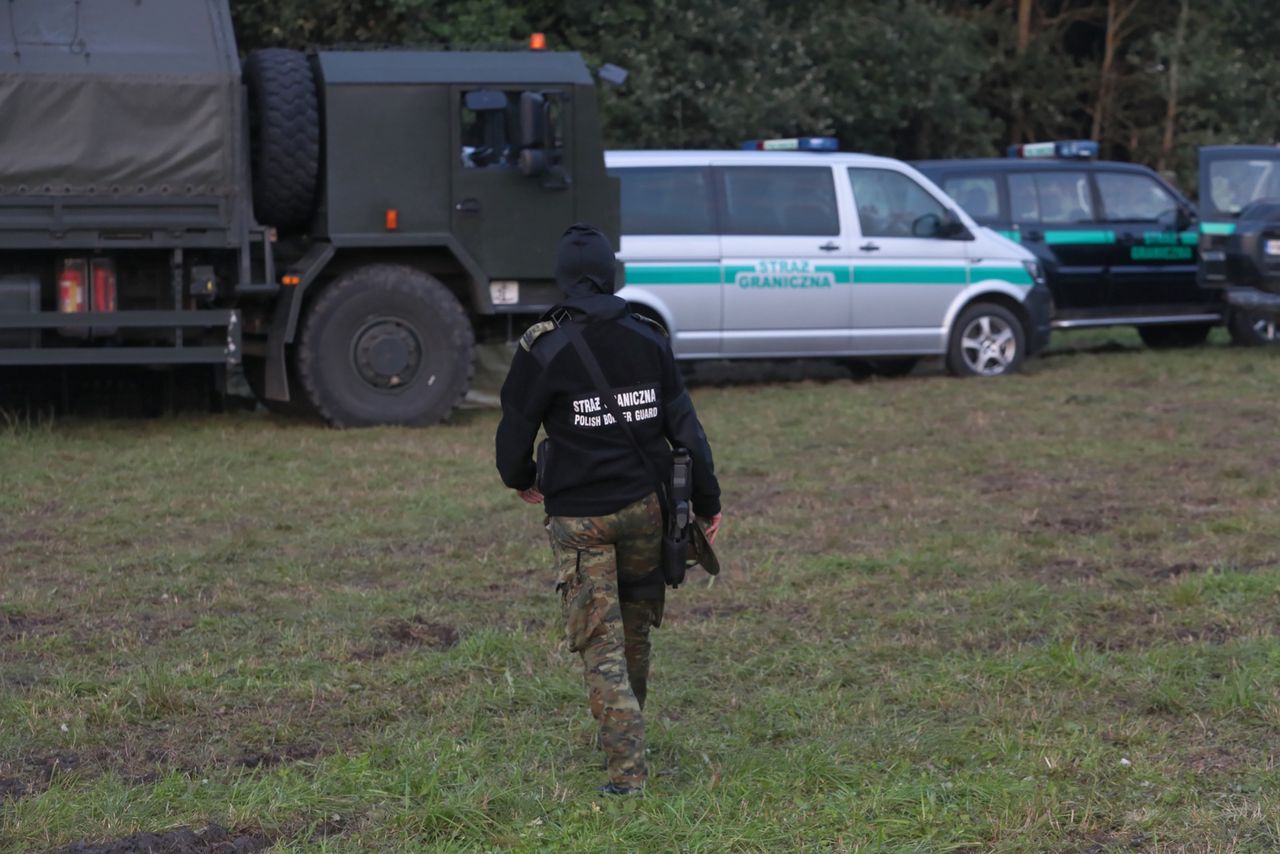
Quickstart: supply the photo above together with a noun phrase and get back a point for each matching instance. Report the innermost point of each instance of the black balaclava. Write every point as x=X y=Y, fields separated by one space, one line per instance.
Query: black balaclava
x=585 y=264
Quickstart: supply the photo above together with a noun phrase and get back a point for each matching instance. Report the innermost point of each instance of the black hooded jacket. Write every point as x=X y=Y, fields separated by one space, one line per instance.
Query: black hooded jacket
x=590 y=467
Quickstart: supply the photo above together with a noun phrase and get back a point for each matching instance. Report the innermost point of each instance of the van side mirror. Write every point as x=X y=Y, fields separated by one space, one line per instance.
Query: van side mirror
x=946 y=227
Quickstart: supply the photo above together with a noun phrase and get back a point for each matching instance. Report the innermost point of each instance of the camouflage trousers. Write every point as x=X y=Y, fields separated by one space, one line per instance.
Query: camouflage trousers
x=592 y=555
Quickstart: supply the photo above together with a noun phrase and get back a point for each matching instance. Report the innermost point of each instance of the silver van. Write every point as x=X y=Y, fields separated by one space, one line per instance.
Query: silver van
x=777 y=254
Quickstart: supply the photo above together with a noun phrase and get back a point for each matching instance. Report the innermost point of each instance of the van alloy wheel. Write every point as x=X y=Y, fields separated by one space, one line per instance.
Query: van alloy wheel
x=988 y=345
x=987 y=340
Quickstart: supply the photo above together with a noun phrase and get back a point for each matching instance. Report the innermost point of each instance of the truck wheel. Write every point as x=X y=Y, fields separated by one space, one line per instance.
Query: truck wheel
x=298 y=406
x=1174 y=335
x=284 y=136
x=987 y=341
x=1252 y=330
x=385 y=344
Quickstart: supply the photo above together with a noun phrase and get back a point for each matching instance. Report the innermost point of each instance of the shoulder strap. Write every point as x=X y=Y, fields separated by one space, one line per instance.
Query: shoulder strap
x=574 y=331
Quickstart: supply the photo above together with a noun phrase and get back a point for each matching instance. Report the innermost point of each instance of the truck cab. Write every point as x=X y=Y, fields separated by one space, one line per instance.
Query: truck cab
x=342 y=225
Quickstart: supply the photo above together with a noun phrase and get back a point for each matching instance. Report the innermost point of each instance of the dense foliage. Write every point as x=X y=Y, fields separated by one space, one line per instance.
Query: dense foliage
x=1150 y=79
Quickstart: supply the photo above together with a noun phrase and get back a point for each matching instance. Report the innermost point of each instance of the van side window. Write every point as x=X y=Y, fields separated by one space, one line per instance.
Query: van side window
x=977 y=194
x=1134 y=198
x=778 y=200
x=1051 y=198
x=889 y=203
x=666 y=200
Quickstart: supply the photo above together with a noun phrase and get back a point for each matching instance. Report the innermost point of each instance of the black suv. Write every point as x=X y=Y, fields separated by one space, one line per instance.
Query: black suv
x=1117 y=241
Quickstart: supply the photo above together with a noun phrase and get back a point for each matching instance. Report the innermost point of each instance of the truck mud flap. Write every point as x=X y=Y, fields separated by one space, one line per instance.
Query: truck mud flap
x=170 y=323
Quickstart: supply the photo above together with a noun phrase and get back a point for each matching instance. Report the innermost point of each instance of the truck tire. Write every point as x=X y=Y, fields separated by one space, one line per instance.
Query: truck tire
x=284 y=136
x=987 y=340
x=385 y=344
x=298 y=406
x=1174 y=335
x=1253 y=330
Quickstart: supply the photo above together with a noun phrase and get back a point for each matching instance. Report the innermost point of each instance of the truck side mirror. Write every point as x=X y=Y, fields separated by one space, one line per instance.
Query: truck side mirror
x=485 y=100
x=613 y=75
x=533 y=120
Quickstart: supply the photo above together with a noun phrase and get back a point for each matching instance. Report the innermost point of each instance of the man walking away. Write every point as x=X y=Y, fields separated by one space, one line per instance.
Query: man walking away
x=604 y=517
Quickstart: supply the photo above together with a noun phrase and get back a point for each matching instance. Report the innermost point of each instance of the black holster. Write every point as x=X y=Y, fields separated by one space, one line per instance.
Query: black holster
x=676 y=521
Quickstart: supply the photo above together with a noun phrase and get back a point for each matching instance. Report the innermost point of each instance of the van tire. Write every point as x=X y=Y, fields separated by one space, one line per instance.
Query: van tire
x=386 y=344
x=1253 y=330
x=284 y=136
x=1174 y=335
x=987 y=340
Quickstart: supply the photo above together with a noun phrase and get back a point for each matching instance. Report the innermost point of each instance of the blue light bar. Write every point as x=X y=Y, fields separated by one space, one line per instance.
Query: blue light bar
x=1065 y=149
x=804 y=143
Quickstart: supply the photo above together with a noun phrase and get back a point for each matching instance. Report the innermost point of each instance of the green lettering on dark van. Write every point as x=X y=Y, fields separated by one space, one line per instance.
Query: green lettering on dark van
x=1218 y=228
x=1160 y=253
x=1170 y=238
x=1091 y=238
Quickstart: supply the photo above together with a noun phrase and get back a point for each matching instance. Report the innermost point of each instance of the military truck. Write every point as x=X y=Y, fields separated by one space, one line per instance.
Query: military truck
x=1240 y=227
x=342 y=224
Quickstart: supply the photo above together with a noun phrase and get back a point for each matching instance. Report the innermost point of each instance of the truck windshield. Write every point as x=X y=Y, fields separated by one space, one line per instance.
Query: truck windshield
x=1234 y=184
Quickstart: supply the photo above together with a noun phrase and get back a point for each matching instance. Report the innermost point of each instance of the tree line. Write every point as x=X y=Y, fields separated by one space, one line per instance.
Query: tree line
x=1149 y=79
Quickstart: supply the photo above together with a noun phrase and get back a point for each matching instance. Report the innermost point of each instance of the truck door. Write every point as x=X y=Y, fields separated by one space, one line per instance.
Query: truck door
x=1154 y=262
x=1054 y=210
x=509 y=222
x=786 y=282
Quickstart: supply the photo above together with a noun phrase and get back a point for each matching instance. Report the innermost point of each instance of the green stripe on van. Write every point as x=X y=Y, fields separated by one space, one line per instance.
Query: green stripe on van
x=1218 y=227
x=1012 y=275
x=1015 y=235
x=873 y=275
x=694 y=274
x=1091 y=238
x=841 y=272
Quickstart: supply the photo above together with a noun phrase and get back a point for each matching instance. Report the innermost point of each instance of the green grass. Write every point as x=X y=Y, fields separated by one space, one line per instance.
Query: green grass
x=1034 y=614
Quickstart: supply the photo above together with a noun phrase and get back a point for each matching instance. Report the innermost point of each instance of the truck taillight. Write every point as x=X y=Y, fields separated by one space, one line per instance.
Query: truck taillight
x=104 y=285
x=71 y=286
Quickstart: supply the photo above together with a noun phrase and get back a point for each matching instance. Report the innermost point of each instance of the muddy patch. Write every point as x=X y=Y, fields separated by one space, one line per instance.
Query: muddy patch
x=11 y=789
x=15 y=626
x=212 y=840
x=420 y=632
x=1214 y=760
x=271 y=758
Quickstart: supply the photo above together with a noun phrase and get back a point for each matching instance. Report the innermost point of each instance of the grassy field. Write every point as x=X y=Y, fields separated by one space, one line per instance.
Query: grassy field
x=1034 y=614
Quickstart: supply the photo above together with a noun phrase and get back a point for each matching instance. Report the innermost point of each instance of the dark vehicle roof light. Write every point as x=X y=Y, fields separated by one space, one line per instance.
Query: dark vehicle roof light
x=804 y=143
x=1065 y=149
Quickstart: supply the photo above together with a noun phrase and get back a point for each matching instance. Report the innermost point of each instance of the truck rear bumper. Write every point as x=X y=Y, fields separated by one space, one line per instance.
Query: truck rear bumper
x=169 y=324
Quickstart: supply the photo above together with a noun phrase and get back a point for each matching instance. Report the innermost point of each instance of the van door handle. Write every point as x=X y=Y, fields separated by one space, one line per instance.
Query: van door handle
x=869 y=247
x=1034 y=235
x=468 y=206
x=829 y=247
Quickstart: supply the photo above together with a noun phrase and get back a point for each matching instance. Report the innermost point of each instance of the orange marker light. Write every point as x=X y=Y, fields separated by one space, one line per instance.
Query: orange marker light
x=538 y=41
x=291 y=280
x=393 y=219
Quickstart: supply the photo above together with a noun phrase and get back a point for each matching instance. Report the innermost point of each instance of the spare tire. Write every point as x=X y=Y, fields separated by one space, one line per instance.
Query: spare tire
x=284 y=136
